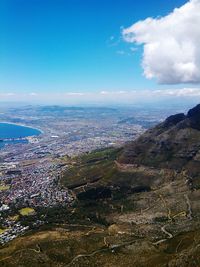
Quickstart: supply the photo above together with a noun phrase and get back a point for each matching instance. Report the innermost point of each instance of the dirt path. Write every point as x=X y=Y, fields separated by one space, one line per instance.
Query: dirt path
x=163 y=229
x=189 y=206
x=110 y=248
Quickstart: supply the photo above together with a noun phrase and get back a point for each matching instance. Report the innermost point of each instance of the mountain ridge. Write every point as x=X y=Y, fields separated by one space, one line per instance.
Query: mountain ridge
x=173 y=144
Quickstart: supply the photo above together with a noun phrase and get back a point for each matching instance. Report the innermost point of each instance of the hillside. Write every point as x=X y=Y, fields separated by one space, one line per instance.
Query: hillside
x=136 y=206
x=173 y=144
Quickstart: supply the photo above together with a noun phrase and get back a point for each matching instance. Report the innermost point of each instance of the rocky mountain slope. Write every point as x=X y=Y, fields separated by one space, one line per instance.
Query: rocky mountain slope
x=173 y=144
x=136 y=206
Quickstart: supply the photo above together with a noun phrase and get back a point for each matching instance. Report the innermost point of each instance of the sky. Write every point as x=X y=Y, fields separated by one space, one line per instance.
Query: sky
x=95 y=51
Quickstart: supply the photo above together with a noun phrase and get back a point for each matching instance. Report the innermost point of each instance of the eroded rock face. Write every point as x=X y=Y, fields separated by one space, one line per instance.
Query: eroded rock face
x=194 y=117
x=173 y=144
x=174 y=119
x=194 y=112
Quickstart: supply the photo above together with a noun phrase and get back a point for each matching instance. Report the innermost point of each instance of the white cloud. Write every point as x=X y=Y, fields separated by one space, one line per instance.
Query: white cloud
x=75 y=94
x=122 y=92
x=106 y=96
x=104 y=92
x=7 y=94
x=171 y=45
x=114 y=92
x=33 y=94
x=184 y=92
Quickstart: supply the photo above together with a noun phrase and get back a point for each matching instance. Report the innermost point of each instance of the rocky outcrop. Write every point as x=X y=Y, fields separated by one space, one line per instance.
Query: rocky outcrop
x=174 y=119
x=194 y=117
x=174 y=144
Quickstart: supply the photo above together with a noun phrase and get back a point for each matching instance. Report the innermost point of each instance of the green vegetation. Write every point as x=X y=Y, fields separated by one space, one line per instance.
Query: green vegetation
x=14 y=217
x=97 y=230
x=99 y=169
x=4 y=187
x=90 y=247
x=90 y=168
x=2 y=231
x=27 y=211
x=101 y=188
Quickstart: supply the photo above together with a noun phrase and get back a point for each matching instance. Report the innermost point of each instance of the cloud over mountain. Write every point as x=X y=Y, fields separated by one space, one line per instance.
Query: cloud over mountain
x=171 y=45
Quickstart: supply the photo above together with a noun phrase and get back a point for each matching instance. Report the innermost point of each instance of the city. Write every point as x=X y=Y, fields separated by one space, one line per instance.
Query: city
x=30 y=171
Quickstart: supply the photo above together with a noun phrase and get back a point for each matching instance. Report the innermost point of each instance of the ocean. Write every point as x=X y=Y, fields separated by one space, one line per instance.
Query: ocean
x=8 y=130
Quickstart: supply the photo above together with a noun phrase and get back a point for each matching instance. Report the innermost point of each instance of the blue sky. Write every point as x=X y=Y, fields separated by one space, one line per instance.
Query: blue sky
x=70 y=46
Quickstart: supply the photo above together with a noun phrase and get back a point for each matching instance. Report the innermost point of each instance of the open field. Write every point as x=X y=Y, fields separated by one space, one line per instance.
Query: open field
x=26 y=211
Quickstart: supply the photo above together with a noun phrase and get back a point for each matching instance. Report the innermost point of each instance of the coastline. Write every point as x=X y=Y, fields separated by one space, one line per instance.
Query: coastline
x=23 y=125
